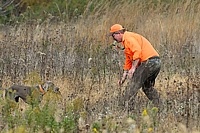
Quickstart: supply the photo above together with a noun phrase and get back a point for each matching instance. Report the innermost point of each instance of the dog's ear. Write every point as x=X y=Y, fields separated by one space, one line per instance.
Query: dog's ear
x=44 y=86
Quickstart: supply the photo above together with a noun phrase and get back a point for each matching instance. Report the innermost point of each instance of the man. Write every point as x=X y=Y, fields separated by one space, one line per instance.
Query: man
x=142 y=64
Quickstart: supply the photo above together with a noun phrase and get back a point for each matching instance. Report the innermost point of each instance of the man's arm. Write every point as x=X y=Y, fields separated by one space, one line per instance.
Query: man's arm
x=134 y=66
x=129 y=73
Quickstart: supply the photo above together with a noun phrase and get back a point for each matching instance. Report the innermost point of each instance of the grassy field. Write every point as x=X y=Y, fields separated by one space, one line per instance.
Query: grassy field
x=60 y=51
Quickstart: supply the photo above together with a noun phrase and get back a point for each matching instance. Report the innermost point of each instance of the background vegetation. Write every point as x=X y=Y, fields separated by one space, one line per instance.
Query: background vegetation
x=54 y=40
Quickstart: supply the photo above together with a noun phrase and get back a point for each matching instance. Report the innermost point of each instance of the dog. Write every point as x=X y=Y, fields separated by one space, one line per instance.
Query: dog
x=31 y=94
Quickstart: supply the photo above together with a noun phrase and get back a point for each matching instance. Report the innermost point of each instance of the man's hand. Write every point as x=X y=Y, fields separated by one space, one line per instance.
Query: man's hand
x=122 y=80
x=130 y=72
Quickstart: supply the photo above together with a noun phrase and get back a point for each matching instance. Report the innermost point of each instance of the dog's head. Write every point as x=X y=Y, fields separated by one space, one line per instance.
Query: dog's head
x=50 y=86
x=50 y=92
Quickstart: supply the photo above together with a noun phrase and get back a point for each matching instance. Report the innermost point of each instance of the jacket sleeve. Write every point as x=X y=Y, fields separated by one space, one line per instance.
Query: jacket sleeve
x=127 y=63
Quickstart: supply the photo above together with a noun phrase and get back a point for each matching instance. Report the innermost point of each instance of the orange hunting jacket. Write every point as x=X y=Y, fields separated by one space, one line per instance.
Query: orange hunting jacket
x=136 y=47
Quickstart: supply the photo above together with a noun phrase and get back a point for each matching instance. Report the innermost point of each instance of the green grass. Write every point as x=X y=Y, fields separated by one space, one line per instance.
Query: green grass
x=54 y=48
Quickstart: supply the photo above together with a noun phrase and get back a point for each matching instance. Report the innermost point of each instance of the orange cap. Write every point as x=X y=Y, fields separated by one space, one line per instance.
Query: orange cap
x=115 y=27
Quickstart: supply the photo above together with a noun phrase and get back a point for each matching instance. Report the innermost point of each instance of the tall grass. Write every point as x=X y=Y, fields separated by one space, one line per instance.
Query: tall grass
x=59 y=50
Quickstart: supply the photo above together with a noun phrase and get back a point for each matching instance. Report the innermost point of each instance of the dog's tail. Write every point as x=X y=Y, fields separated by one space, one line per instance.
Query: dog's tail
x=2 y=92
x=6 y=93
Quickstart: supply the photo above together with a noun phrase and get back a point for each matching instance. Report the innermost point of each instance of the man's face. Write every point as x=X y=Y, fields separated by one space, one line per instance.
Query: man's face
x=117 y=36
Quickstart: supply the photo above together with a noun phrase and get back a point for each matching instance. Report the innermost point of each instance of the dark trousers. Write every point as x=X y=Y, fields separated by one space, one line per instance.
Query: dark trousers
x=144 y=77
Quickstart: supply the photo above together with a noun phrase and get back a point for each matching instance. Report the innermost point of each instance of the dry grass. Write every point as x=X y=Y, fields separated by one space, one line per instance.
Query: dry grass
x=60 y=51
